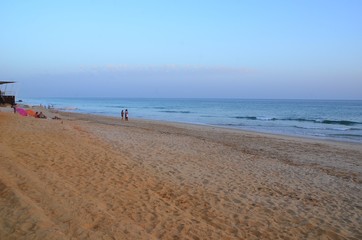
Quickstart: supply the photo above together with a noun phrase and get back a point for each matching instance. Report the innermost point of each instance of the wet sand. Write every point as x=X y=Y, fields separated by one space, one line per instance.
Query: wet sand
x=91 y=177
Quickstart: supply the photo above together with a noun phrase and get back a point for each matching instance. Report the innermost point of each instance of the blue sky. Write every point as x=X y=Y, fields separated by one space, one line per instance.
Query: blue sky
x=229 y=49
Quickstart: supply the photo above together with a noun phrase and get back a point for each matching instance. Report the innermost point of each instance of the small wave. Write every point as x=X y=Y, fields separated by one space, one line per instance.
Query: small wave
x=249 y=118
x=327 y=128
x=170 y=111
x=266 y=118
x=117 y=106
x=299 y=120
x=335 y=122
x=230 y=125
x=342 y=122
x=323 y=121
x=258 y=118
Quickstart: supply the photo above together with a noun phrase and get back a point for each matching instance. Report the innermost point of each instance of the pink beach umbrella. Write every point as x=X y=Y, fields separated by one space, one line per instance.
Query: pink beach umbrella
x=22 y=111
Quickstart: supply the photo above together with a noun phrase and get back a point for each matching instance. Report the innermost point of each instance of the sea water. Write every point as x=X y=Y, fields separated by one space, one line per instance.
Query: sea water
x=328 y=119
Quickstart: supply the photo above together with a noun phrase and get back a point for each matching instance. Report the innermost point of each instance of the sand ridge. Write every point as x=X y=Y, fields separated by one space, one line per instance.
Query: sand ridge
x=90 y=177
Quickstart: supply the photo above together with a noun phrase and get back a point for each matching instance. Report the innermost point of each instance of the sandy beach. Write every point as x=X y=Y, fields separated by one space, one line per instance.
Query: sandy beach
x=92 y=177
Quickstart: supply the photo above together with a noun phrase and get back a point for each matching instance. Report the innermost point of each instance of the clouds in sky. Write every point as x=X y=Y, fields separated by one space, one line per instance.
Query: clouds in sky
x=174 y=81
x=244 y=49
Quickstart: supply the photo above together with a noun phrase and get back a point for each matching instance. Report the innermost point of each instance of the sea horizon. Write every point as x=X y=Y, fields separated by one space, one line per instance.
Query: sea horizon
x=226 y=98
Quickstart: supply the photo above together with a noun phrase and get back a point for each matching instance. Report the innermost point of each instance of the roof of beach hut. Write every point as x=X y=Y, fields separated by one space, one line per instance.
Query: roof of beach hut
x=6 y=82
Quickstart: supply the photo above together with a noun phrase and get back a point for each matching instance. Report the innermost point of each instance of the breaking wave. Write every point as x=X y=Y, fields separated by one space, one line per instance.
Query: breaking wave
x=325 y=121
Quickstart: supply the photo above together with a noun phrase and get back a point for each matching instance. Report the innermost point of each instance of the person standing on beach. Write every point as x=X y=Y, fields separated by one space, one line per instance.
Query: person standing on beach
x=126 y=115
x=14 y=107
x=122 y=114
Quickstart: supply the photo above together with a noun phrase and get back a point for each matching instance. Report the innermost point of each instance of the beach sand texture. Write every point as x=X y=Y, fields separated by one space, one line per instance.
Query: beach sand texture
x=90 y=177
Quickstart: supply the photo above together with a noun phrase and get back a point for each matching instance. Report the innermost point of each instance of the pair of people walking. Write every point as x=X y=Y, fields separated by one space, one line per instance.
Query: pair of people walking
x=124 y=114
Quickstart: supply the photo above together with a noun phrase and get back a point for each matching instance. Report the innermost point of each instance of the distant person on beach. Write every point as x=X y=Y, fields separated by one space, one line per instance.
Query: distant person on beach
x=126 y=115
x=40 y=115
x=122 y=114
x=14 y=107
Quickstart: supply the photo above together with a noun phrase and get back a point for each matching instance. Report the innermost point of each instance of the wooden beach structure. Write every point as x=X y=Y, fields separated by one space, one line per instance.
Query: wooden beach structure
x=6 y=97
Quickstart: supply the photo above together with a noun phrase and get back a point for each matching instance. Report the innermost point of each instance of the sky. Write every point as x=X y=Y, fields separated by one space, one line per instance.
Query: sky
x=300 y=49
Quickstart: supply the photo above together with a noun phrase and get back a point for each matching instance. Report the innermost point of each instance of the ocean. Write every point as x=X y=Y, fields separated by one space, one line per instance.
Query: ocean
x=339 y=120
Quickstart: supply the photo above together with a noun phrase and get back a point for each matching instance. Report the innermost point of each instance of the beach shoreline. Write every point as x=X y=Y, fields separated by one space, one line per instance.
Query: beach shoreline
x=89 y=176
x=210 y=126
x=333 y=119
